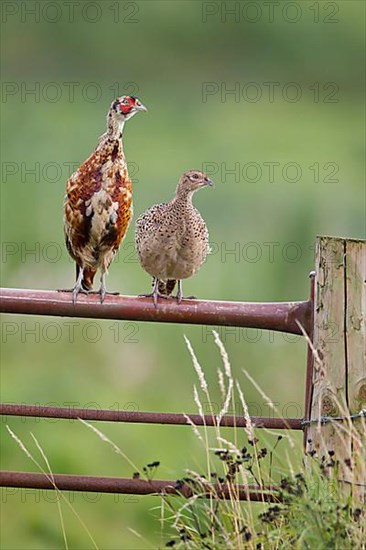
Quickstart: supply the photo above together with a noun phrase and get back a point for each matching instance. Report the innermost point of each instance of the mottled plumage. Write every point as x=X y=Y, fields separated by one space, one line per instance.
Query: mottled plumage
x=172 y=238
x=98 y=201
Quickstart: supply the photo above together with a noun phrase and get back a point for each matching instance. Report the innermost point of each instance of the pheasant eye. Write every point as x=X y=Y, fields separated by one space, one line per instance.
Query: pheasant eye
x=195 y=176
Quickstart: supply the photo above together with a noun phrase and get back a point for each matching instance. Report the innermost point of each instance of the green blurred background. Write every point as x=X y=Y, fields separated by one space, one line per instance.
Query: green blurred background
x=169 y=54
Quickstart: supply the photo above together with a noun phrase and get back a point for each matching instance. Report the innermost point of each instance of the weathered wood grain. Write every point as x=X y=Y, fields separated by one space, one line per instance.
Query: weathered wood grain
x=339 y=377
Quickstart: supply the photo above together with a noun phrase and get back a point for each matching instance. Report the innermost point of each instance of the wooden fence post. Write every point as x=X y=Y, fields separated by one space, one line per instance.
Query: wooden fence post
x=339 y=372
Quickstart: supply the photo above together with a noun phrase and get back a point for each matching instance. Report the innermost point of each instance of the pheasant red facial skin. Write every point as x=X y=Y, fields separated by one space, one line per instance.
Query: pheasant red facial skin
x=98 y=202
x=128 y=104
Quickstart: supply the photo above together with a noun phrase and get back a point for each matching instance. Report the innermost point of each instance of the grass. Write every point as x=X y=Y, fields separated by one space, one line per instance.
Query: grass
x=314 y=508
x=311 y=505
x=312 y=512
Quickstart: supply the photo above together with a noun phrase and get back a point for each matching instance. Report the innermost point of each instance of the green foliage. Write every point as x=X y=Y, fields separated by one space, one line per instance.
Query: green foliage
x=313 y=511
x=313 y=508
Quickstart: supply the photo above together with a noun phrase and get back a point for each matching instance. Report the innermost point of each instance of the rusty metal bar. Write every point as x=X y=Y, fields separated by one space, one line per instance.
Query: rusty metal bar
x=310 y=358
x=279 y=316
x=128 y=486
x=13 y=409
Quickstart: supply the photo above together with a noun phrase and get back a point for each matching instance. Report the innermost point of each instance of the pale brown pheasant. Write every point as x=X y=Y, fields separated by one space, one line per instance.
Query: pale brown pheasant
x=172 y=238
x=98 y=202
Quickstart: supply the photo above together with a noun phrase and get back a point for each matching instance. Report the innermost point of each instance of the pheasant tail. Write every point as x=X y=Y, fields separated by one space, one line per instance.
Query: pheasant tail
x=166 y=288
x=88 y=277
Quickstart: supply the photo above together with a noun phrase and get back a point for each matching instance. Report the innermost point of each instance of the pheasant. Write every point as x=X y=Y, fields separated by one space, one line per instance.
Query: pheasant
x=98 y=202
x=172 y=238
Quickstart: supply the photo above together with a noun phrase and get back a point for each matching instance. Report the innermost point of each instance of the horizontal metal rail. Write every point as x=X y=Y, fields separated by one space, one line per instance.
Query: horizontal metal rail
x=13 y=409
x=63 y=482
x=278 y=316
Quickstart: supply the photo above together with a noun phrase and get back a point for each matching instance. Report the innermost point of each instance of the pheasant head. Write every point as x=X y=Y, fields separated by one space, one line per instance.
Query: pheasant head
x=191 y=181
x=122 y=109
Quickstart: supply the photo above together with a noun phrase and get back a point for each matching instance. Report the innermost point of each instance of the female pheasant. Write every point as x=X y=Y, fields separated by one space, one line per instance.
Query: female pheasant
x=172 y=238
x=98 y=202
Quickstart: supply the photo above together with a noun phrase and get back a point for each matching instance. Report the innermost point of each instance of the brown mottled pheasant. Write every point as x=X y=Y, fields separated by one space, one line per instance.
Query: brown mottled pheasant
x=172 y=238
x=98 y=202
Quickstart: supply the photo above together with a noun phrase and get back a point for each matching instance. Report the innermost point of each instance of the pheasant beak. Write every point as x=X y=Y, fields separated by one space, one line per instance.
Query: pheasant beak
x=209 y=182
x=140 y=107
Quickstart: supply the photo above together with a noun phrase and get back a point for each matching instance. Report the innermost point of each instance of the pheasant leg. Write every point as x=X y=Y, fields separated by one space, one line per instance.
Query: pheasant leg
x=154 y=294
x=180 y=296
x=78 y=287
x=102 y=290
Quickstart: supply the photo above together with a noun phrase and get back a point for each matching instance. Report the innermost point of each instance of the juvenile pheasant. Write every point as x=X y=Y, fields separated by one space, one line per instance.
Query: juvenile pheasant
x=98 y=201
x=172 y=238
